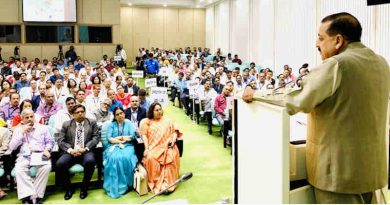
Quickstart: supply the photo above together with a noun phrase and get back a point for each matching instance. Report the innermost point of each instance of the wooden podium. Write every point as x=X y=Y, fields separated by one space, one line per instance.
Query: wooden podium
x=262 y=160
x=265 y=162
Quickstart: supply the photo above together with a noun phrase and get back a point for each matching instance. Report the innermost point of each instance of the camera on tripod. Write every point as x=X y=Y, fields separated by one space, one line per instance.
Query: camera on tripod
x=60 y=55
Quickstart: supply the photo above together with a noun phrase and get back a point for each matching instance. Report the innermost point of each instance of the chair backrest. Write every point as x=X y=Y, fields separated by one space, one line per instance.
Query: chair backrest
x=209 y=58
x=104 y=134
x=25 y=93
x=50 y=125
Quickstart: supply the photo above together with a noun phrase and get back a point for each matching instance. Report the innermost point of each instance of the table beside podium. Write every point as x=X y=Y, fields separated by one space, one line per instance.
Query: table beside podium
x=269 y=166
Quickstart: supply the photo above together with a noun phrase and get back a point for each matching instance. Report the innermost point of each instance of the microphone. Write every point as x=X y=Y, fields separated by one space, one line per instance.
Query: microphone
x=284 y=85
x=183 y=178
x=186 y=177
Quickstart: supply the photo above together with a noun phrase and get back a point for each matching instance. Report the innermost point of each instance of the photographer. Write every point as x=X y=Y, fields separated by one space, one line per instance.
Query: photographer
x=16 y=53
x=70 y=55
x=122 y=53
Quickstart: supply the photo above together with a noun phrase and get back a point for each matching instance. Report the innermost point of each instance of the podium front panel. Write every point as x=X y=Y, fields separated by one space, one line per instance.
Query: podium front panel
x=261 y=153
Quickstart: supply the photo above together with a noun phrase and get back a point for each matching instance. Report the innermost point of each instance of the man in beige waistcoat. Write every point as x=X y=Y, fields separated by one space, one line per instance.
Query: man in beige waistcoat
x=346 y=98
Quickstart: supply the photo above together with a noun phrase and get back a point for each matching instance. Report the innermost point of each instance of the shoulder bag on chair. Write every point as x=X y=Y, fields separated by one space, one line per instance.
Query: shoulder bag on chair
x=140 y=180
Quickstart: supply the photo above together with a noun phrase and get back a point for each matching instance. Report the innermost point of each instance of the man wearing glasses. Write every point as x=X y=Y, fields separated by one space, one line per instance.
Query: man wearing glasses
x=102 y=114
x=76 y=140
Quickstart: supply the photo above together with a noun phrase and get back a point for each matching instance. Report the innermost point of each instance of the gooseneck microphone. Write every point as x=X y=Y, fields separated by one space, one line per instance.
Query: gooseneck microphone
x=183 y=178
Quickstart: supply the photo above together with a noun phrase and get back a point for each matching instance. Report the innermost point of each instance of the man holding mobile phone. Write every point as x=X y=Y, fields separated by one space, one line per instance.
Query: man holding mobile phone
x=31 y=137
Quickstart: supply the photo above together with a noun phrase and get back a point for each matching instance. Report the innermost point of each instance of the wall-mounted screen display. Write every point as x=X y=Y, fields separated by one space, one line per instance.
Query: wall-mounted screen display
x=49 y=10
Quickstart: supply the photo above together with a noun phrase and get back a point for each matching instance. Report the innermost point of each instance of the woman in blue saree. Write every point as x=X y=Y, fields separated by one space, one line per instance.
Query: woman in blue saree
x=119 y=157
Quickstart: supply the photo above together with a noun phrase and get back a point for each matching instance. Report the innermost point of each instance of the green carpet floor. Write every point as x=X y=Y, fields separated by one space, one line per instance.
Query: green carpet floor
x=204 y=156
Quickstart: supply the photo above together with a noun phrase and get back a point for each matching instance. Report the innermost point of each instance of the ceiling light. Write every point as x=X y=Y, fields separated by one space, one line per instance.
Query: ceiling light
x=210 y=1
x=197 y=6
x=165 y=5
x=129 y=4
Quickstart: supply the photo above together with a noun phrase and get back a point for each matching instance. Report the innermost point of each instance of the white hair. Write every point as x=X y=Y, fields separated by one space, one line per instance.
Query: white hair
x=26 y=112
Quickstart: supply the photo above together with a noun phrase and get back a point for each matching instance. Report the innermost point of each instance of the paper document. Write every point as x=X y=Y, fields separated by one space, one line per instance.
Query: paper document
x=298 y=127
x=36 y=159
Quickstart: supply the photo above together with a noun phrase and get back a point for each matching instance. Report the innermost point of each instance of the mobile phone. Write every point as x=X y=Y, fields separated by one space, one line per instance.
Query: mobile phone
x=44 y=158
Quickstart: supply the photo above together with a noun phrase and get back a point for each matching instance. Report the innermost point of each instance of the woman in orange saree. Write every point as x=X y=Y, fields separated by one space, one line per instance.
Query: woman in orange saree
x=161 y=156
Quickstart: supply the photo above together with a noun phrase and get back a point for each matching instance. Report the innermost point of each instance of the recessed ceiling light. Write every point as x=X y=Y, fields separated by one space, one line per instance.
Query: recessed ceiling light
x=165 y=5
x=129 y=4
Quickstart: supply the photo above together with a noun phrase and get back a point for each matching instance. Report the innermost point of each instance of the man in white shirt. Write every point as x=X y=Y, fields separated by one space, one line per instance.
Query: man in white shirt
x=207 y=96
x=92 y=102
x=64 y=114
x=60 y=93
x=29 y=92
x=42 y=78
x=80 y=98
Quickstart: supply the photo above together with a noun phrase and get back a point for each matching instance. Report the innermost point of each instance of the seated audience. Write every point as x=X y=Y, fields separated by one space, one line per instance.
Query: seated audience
x=130 y=87
x=26 y=104
x=32 y=138
x=217 y=86
x=206 y=96
x=143 y=102
x=5 y=89
x=23 y=82
x=135 y=113
x=64 y=114
x=38 y=99
x=11 y=109
x=220 y=105
x=115 y=103
x=92 y=102
x=49 y=108
x=71 y=85
x=80 y=97
x=60 y=92
x=29 y=92
x=76 y=140
x=4 y=142
x=102 y=114
x=119 y=156
x=176 y=85
x=161 y=156
x=123 y=97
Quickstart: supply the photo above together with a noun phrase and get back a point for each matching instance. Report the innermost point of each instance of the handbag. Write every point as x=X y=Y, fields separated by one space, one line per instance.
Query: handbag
x=140 y=180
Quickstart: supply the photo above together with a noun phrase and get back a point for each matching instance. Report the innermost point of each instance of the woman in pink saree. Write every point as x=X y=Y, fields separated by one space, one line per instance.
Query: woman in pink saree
x=161 y=156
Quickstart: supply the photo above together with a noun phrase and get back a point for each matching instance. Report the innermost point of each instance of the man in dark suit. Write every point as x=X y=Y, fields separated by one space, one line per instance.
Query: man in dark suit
x=135 y=113
x=130 y=87
x=37 y=99
x=218 y=87
x=76 y=140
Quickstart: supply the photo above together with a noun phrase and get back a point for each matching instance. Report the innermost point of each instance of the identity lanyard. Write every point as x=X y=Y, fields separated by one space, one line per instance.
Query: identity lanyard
x=59 y=94
x=10 y=113
x=123 y=127
x=133 y=117
x=48 y=110
x=31 y=133
x=96 y=102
